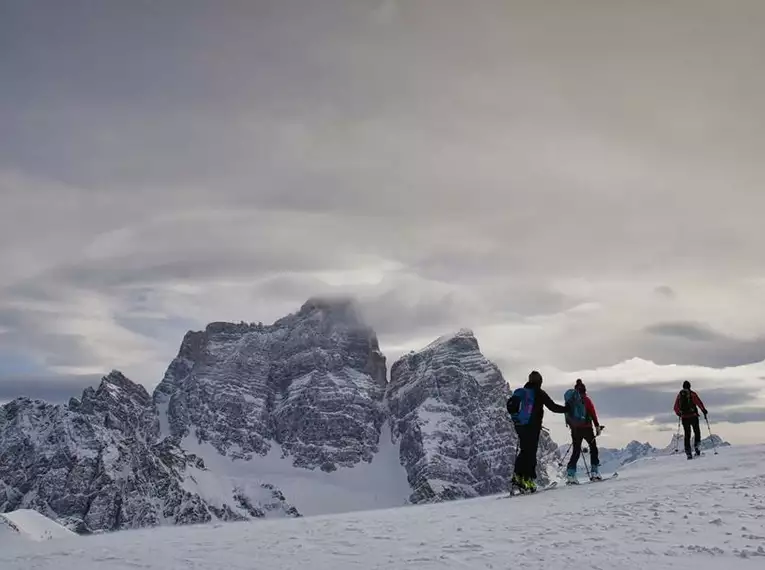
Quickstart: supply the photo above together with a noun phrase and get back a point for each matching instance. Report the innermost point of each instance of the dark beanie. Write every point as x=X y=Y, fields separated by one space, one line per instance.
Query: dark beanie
x=535 y=377
x=686 y=385
x=579 y=386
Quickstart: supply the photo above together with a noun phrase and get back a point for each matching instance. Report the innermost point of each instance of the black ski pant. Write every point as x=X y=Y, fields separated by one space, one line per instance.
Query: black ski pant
x=526 y=458
x=689 y=423
x=579 y=434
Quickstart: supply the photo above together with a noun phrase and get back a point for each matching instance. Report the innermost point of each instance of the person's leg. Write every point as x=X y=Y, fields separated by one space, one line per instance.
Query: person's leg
x=520 y=451
x=589 y=437
x=594 y=453
x=687 y=431
x=533 y=447
x=696 y=435
x=576 y=450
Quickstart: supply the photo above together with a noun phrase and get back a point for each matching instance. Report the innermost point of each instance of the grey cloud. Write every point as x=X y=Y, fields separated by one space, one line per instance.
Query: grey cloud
x=680 y=343
x=145 y=152
x=665 y=291
x=698 y=344
x=687 y=331
x=658 y=398
x=741 y=415
x=53 y=389
x=390 y=313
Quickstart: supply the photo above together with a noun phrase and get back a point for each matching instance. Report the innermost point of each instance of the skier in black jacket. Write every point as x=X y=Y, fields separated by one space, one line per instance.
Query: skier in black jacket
x=528 y=435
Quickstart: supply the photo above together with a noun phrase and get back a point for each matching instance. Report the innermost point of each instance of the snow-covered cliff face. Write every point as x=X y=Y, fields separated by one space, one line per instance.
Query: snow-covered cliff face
x=95 y=464
x=250 y=420
x=447 y=404
x=311 y=383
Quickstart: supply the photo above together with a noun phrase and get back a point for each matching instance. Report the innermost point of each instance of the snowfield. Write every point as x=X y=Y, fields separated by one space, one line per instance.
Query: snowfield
x=663 y=512
x=30 y=525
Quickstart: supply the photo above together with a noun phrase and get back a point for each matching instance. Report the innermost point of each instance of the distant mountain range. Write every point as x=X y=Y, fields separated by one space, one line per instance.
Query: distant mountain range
x=612 y=459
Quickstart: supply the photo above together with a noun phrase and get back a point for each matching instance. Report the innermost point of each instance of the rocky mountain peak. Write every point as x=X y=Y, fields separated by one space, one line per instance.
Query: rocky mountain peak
x=312 y=383
x=447 y=406
x=340 y=306
x=250 y=416
x=463 y=340
x=120 y=404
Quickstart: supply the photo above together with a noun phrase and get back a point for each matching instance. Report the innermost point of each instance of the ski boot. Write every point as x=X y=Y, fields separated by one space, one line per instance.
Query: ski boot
x=690 y=456
x=698 y=452
x=531 y=486
x=571 y=477
x=595 y=473
x=520 y=483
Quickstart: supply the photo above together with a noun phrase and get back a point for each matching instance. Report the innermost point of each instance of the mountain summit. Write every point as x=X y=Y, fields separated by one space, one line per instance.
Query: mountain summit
x=251 y=421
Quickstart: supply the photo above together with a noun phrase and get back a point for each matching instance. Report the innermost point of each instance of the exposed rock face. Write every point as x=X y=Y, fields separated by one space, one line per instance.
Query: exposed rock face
x=706 y=444
x=249 y=417
x=313 y=383
x=95 y=464
x=447 y=403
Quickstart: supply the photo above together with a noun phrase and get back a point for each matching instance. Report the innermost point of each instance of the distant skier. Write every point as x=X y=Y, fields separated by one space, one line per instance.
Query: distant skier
x=687 y=404
x=526 y=408
x=580 y=419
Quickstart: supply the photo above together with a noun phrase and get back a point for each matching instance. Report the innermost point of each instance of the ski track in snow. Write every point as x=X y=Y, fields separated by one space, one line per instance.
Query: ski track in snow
x=668 y=513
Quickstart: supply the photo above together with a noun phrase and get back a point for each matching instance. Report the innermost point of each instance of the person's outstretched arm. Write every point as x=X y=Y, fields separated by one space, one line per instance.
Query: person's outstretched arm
x=550 y=405
x=698 y=402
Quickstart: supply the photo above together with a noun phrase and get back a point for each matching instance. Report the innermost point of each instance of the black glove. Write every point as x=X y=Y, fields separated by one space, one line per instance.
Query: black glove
x=705 y=414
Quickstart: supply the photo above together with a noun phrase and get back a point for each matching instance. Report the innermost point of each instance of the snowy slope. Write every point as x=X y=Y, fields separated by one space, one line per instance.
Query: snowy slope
x=705 y=514
x=30 y=525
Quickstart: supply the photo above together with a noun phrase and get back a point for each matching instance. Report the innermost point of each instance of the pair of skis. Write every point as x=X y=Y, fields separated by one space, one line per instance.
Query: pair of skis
x=516 y=492
x=613 y=475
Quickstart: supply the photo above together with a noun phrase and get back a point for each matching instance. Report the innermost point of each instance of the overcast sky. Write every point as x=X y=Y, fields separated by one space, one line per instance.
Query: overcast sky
x=580 y=183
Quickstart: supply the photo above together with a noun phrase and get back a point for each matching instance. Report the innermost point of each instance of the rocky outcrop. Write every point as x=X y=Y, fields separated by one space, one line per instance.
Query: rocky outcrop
x=254 y=421
x=96 y=465
x=706 y=444
x=312 y=384
x=447 y=404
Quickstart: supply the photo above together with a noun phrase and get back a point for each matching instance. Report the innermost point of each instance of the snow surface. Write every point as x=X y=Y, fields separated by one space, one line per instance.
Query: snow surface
x=668 y=512
x=380 y=484
x=30 y=525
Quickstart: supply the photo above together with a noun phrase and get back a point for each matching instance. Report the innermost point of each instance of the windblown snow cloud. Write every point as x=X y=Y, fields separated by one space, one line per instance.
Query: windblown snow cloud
x=577 y=194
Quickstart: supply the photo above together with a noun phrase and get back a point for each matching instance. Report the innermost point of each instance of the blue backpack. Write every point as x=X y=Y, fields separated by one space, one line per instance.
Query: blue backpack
x=578 y=413
x=521 y=405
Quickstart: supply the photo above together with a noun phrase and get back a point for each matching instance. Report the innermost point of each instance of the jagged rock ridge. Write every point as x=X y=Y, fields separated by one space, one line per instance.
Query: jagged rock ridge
x=312 y=383
x=447 y=404
x=613 y=458
x=96 y=464
x=252 y=419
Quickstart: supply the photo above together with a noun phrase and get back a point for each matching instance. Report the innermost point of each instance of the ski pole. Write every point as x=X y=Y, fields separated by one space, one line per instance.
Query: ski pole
x=677 y=437
x=714 y=445
x=586 y=467
x=563 y=461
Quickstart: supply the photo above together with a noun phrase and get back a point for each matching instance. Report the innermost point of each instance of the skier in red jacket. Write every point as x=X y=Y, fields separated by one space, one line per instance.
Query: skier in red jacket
x=687 y=406
x=583 y=431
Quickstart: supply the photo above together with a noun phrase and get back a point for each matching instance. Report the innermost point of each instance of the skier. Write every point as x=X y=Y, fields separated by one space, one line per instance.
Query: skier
x=687 y=404
x=580 y=419
x=526 y=407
